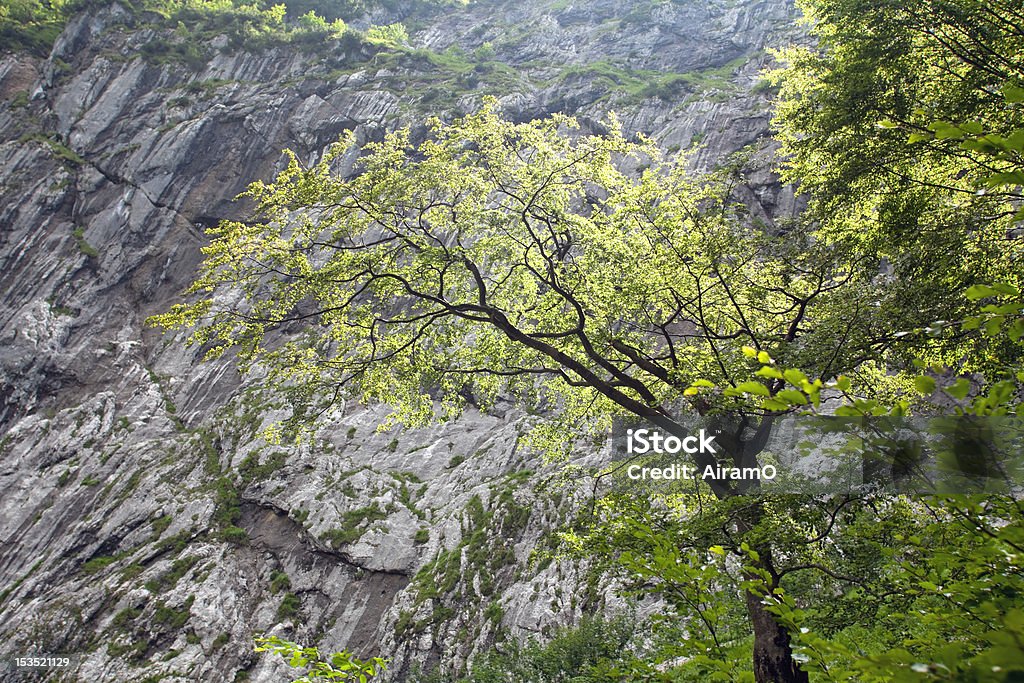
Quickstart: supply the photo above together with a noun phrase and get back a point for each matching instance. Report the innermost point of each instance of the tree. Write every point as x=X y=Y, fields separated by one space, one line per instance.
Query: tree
x=583 y=275
x=905 y=127
x=878 y=73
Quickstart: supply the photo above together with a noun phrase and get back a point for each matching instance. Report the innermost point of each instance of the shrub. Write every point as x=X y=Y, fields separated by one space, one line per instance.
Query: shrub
x=289 y=606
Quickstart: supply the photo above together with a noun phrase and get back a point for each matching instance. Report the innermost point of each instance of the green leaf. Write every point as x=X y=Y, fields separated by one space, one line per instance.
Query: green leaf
x=795 y=377
x=944 y=130
x=979 y=145
x=755 y=388
x=1006 y=178
x=792 y=397
x=1016 y=330
x=924 y=384
x=972 y=127
x=959 y=389
x=1016 y=140
x=993 y=324
x=769 y=372
x=1014 y=94
x=976 y=292
x=774 y=404
x=695 y=387
x=749 y=351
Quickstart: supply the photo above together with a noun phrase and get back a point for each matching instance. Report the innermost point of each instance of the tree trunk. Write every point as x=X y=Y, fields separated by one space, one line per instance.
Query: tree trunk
x=773 y=655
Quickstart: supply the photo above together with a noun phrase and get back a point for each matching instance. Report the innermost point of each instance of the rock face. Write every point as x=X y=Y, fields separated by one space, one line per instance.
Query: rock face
x=145 y=526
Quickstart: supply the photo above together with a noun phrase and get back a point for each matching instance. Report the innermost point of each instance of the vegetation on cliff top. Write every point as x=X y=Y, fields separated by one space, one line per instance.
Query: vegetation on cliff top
x=33 y=25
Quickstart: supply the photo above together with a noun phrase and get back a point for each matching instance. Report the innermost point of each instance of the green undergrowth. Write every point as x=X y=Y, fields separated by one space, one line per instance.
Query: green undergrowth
x=642 y=84
x=169 y=579
x=187 y=28
x=60 y=151
x=466 y=576
x=353 y=525
x=595 y=649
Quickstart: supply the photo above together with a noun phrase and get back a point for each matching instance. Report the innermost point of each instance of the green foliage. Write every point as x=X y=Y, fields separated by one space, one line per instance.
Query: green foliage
x=289 y=607
x=176 y=543
x=339 y=666
x=943 y=604
x=186 y=28
x=173 y=619
x=252 y=470
x=573 y=350
x=126 y=617
x=169 y=579
x=59 y=150
x=466 y=574
x=353 y=524
x=160 y=524
x=959 y=582
x=83 y=246
x=924 y=212
x=516 y=260
x=20 y=100
x=504 y=259
x=279 y=581
x=228 y=508
x=311 y=21
x=641 y=84
x=589 y=652
x=31 y=25
x=97 y=564
x=392 y=35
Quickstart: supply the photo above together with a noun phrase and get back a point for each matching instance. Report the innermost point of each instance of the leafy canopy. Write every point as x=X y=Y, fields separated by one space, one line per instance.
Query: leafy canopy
x=881 y=73
x=523 y=260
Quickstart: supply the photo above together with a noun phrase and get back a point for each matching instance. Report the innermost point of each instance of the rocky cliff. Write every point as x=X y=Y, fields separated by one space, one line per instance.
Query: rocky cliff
x=145 y=526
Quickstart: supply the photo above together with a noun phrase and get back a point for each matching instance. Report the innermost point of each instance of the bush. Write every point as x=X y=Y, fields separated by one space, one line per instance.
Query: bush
x=289 y=607
x=392 y=35
x=573 y=654
x=279 y=581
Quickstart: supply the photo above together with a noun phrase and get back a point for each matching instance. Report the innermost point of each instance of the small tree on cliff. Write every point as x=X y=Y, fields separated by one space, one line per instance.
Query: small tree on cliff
x=519 y=260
